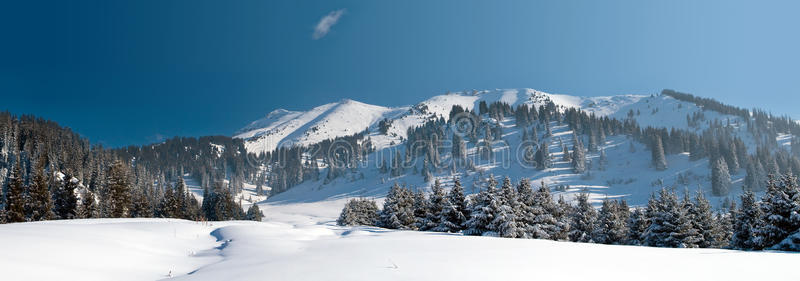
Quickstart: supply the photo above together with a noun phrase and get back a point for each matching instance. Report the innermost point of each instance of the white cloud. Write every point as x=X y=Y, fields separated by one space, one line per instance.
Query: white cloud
x=324 y=25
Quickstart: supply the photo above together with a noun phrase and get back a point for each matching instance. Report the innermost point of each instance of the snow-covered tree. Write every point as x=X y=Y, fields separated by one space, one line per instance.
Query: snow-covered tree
x=15 y=196
x=253 y=213
x=781 y=210
x=720 y=178
x=398 y=209
x=746 y=223
x=584 y=217
x=659 y=160
x=455 y=212
x=704 y=223
x=65 y=201
x=359 y=211
x=435 y=206
x=668 y=222
x=610 y=226
x=637 y=225
x=578 y=157
x=482 y=210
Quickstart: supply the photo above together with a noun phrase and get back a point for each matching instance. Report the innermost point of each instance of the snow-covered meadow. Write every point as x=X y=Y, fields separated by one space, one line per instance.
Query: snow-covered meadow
x=299 y=241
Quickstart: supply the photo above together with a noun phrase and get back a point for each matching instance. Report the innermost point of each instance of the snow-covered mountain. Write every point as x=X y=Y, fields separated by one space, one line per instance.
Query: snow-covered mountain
x=627 y=175
x=286 y=128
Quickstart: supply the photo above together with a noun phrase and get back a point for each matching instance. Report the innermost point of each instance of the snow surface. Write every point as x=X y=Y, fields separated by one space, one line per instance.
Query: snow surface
x=299 y=241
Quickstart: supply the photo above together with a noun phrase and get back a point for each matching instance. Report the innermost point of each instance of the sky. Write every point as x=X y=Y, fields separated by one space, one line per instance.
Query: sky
x=135 y=72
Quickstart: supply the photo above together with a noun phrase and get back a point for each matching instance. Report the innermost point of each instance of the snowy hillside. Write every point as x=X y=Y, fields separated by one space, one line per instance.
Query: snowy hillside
x=628 y=174
x=287 y=128
x=299 y=242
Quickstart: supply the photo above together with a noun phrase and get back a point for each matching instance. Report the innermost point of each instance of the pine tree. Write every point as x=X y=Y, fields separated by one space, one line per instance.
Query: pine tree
x=15 y=197
x=746 y=223
x=481 y=210
x=435 y=206
x=659 y=160
x=610 y=228
x=504 y=222
x=455 y=212
x=668 y=223
x=66 y=203
x=687 y=227
x=720 y=178
x=88 y=207
x=358 y=211
x=637 y=225
x=119 y=195
x=584 y=217
x=398 y=209
x=39 y=206
x=578 y=157
x=781 y=210
x=703 y=222
x=420 y=206
x=254 y=213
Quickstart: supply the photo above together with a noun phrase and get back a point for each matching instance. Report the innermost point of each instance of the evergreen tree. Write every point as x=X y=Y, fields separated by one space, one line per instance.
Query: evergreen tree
x=781 y=210
x=720 y=178
x=578 y=157
x=398 y=209
x=119 y=196
x=15 y=196
x=506 y=222
x=482 y=211
x=668 y=223
x=65 y=201
x=746 y=223
x=610 y=228
x=88 y=207
x=703 y=222
x=253 y=213
x=358 y=211
x=584 y=217
x=39 y=206
x=543 y=211
x=435 y=206
x=637 y=225
x=421 y=208
x=659 y=160
x=455 y=212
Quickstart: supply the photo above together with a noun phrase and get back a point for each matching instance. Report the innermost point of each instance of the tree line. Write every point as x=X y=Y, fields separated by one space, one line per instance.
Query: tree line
x=520 y=211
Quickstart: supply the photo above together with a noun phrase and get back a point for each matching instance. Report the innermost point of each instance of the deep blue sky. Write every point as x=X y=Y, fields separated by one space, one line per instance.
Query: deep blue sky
x=129 y=72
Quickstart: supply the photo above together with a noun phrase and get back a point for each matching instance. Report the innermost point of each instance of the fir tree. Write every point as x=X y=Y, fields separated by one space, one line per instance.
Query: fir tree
x=578 y=157
x=482 y=211
x=610 y=228
x=398 y=209
x=659 y=160
x=668 y=224
x=253 y=213
x=703 y=222
x=720 y=178
x=15 y=196
x=746 y=223
x=119 y=196
x=584 y=217
x=435 y=206
x=39 y=206
x=66 y=202
x=358 y=211
x=781 y=210
x=637 y=225
x=455 y=212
